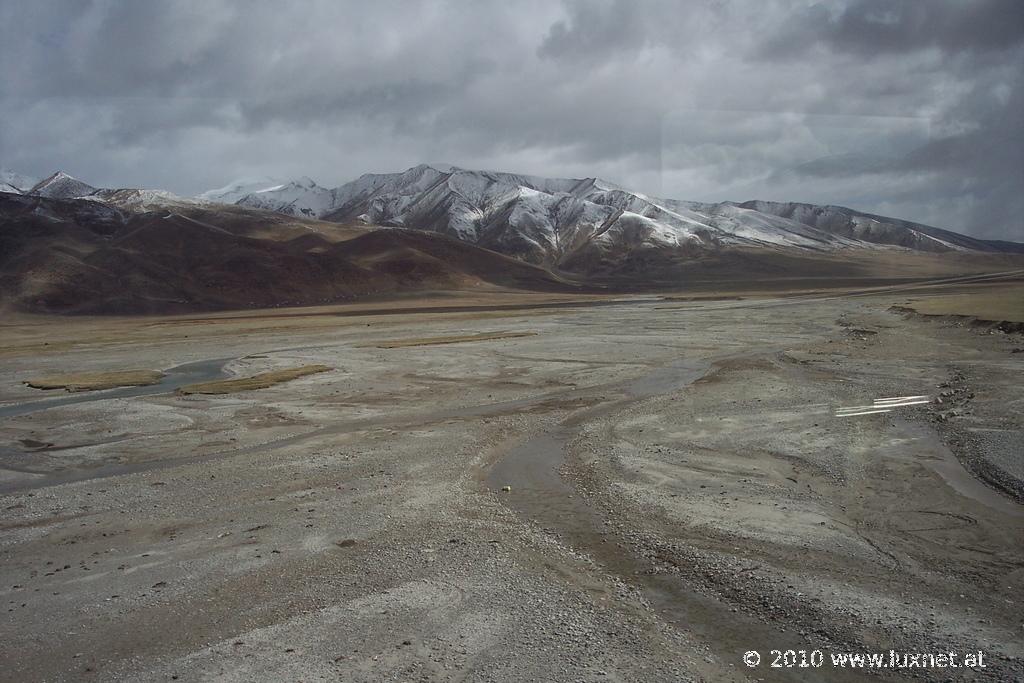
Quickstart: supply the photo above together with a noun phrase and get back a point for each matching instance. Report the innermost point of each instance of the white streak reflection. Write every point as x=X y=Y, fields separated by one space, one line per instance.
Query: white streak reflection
x=883 y=405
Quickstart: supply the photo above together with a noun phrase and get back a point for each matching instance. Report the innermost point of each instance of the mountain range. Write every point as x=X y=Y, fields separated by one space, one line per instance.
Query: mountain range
x=11 y=181
x=69 y=246
x=568 y=223
x=116 y=254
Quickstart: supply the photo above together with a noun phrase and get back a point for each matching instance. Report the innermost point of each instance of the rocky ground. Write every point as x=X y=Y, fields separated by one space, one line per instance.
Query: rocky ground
x=683 y=486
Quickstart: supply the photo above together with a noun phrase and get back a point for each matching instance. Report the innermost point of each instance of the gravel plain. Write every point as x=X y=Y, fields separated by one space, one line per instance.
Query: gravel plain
x=639 y=491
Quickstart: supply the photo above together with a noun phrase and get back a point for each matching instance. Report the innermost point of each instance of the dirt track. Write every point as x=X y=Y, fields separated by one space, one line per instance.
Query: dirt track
x=683 y=488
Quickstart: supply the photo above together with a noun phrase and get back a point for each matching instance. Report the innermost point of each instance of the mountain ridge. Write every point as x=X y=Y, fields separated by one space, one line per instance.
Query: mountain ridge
x=89 y=256
x=558 y=221
x=569 y=224
x=12 y=181
x=841 y=218
x=60 y=185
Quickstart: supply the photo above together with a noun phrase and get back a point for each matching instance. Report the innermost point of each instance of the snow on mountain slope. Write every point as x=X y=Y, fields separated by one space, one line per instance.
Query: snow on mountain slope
x=231 y=193
x=749 y=224
x=872 y=228
x=557 y=220
x=538 y=219
x=61 y=186
x=17 y=183
x=548 y=220
x=132 y=199
x=300 y=197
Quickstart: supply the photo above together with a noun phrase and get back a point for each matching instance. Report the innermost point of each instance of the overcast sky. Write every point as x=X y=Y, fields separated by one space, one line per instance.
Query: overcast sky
x=911 y=109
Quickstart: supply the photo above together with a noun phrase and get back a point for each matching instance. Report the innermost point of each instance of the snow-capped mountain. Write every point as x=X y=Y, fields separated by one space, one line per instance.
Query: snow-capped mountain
x=133 y=199
x=868 y=227
x=85 y=255
x=300 y=197
x=61 y=186
x=76 y=246
x=542 y=220
x=573 y=224
x=231 y=193
x=555 y=221
x=17 y=183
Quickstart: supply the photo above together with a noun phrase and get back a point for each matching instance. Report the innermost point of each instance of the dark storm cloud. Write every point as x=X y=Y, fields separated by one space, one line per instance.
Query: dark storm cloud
x=910 y=108
x=870 y=27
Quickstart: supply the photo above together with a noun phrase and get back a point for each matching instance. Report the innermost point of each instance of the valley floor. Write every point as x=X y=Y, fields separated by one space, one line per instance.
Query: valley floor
x=598 y=490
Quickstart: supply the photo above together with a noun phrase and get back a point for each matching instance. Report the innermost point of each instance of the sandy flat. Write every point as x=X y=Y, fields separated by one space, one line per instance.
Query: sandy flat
x=93 y=381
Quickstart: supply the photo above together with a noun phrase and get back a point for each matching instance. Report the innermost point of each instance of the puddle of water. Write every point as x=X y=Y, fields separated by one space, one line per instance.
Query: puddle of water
x=666 y=379
x=925 y=447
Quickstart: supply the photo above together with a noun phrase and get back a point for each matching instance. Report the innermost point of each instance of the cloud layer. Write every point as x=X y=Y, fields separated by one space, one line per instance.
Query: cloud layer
x=909 y=109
